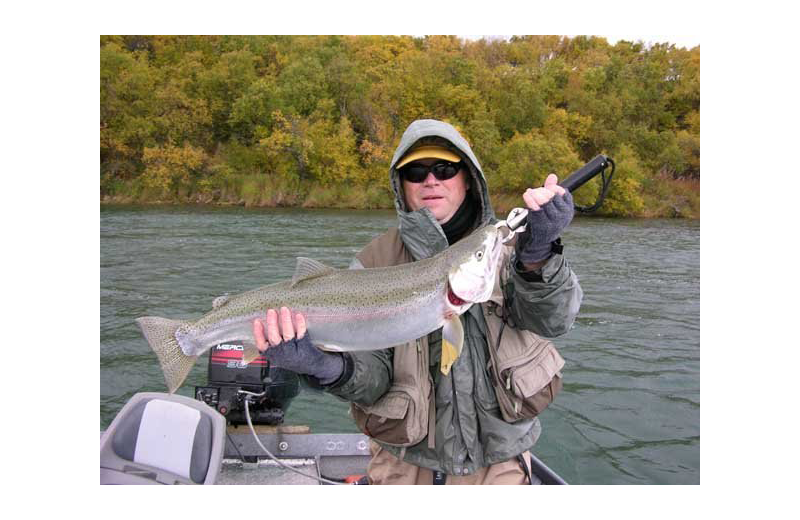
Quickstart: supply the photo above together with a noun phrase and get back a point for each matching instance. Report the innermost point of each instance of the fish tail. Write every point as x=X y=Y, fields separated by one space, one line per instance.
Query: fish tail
x=160 y=334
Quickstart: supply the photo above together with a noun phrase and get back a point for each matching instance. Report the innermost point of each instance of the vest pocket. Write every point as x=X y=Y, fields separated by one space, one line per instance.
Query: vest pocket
x=527 y=377
x=526 y=373
x=395 y=418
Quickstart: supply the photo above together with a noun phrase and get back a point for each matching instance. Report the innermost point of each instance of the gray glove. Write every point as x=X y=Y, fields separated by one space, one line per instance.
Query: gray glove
x=300 y=356
x=544 y=226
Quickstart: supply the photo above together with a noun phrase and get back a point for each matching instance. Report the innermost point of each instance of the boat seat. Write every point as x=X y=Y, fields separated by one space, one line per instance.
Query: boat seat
x=163 y=439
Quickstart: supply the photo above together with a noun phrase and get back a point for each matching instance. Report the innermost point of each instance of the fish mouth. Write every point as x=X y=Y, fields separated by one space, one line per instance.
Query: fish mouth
x=454 y=299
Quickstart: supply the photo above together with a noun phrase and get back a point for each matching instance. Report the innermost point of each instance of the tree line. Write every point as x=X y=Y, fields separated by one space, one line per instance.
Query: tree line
x=314 y=120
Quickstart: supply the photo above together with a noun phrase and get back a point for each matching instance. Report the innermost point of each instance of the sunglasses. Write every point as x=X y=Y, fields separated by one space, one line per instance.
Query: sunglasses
x=442 y=170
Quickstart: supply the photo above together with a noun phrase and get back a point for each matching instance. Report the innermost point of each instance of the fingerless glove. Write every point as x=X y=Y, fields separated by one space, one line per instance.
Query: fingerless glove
x=543 y=227
x=300 y=356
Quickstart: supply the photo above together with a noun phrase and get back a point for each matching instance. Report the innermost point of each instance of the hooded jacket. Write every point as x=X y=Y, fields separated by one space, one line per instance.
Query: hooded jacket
x=470 y=432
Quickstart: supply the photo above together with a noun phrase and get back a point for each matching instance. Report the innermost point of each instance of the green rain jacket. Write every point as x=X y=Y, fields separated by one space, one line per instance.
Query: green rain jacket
x=470 y=432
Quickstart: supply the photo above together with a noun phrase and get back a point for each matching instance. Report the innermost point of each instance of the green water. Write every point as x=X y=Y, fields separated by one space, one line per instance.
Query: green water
x=630 y=409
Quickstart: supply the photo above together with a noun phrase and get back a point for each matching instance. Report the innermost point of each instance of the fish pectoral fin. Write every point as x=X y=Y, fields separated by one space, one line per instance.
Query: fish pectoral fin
x=329 y=347
x=250 y=352
x=307 y=268
x=452 y=343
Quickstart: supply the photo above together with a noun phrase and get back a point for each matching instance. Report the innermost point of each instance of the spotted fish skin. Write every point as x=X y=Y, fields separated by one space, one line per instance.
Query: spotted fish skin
x=345 y=309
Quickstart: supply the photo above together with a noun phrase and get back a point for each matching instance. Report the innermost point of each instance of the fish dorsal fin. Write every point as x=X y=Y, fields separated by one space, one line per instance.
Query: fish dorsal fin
x=308 y=268
x=220 y=301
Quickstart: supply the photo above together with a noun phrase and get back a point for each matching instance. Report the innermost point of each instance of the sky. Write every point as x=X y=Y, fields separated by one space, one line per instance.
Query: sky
x=685 y=41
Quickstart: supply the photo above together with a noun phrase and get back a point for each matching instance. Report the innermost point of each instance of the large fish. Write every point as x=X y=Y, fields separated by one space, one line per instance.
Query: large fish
x=345 y=309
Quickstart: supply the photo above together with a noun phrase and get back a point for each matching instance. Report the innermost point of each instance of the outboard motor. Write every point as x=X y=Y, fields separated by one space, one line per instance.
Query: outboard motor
x=228 y=377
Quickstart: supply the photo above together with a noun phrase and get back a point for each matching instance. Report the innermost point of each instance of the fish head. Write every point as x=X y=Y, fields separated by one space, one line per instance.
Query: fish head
x=473 y=270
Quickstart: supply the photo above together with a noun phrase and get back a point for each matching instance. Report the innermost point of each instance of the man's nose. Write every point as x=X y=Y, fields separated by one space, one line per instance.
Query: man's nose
x=431 y=179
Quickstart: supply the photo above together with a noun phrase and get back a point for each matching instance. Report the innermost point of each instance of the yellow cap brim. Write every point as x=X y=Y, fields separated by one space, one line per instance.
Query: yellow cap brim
x=429 y=152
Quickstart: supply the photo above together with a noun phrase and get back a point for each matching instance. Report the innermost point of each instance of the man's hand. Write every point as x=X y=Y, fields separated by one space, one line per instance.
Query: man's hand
x=290 y=327
x=550 y=210
x=535 y=198
x=288 y=346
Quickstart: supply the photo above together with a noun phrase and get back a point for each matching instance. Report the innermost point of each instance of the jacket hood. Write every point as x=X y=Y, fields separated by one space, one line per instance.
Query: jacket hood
x=419 y=230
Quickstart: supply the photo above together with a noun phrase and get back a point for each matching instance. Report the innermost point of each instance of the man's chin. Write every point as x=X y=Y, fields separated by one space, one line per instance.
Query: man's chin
x=441 y=216
x=438 y=208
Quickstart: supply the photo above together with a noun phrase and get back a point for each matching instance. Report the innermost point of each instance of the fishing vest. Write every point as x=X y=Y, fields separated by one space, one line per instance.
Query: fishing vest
x=525 y=368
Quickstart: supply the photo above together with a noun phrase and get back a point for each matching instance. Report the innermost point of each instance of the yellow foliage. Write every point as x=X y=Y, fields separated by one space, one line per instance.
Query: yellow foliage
x=333 y=158
x=169 y=167
x=571 y=125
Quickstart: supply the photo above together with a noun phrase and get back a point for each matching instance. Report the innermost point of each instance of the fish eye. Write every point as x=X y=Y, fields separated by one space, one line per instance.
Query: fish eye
x=479 y=254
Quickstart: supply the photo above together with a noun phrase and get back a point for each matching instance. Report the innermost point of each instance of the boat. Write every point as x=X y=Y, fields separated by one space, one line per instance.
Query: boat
x=160 y=438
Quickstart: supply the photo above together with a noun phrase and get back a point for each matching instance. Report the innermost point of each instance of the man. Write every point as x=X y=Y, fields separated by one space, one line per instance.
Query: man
x=454 y=433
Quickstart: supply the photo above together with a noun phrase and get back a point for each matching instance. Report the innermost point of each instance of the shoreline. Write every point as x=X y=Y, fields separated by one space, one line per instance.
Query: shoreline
x=499 y=210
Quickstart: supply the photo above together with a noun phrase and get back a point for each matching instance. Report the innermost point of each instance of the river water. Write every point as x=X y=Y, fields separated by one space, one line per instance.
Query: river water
x=629 y=412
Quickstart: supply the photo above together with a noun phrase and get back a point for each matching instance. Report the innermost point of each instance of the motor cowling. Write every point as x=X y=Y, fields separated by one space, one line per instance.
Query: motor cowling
x=228 y=376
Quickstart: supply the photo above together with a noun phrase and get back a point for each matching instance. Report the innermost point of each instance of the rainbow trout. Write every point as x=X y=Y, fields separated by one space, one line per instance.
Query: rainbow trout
x=345 y=309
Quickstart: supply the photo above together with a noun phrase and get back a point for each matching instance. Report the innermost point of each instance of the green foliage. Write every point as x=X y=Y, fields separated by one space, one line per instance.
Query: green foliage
x=526 y=160
x=245 y=119
x=251 y=114
x=302 y=85
x=485 y=141
x=244 y=159
x=624 y=196
x=286 y=148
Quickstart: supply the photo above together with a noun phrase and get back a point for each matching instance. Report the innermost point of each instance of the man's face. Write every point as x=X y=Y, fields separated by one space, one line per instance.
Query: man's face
x=442 y=198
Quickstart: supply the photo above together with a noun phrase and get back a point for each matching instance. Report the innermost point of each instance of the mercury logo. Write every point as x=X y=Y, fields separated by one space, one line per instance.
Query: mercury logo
x=230 y=347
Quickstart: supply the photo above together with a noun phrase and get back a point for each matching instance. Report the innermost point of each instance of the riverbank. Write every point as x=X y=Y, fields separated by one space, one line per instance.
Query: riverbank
x=660 y=198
